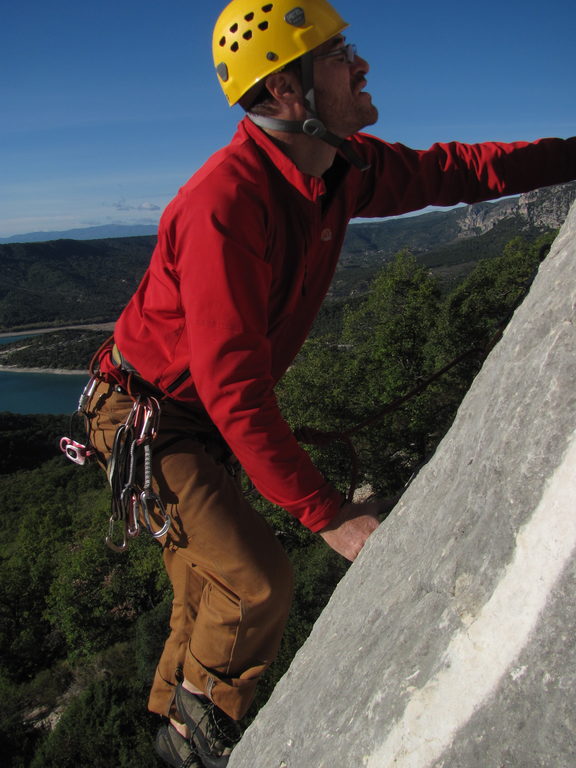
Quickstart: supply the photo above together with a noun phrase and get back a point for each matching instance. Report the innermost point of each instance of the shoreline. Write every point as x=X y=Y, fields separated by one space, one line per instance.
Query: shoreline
x=58 y=371
x=39 y=331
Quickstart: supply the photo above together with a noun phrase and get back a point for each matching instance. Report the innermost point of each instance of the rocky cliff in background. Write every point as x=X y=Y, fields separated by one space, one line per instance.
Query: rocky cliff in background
x=545 y=208
x=450 y=641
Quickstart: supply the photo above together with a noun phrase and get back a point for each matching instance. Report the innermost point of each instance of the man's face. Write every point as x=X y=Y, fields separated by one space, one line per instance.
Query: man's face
x=341 y=102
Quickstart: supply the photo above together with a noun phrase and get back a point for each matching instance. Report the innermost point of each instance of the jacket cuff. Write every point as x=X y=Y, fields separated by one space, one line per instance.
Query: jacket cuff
x=320 y=515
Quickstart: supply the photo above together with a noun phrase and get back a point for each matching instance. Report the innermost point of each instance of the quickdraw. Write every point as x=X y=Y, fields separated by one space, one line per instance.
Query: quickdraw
x=131 y=502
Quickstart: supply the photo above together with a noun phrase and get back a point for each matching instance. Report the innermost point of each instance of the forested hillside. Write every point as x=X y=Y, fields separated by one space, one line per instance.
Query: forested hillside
x=69 y=282
x=81 y=626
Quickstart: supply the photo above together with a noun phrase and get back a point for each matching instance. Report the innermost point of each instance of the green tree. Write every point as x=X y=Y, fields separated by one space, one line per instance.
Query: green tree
x=485 y=300
x=106 y=725
x=96 y=594
x=388 y=338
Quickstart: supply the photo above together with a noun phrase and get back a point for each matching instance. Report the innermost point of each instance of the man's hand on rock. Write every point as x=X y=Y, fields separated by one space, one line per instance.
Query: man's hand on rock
x=348 y=531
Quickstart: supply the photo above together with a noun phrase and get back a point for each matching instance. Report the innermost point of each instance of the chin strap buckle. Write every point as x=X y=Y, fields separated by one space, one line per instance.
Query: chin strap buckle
x=314 y=127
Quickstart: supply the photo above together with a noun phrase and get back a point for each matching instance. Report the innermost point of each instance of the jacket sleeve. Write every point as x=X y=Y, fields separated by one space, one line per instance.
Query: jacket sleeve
x=401 y=179
x=219 y=242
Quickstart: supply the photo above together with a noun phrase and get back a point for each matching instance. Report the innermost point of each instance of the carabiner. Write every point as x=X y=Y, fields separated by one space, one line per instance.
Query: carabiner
x=132 y=517
x=134 y=415
x=150 y=422
x=87 y=393
x=109 y=539
x=147 y=496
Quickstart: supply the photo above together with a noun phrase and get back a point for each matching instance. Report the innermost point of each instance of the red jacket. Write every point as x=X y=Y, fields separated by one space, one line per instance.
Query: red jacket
x=245 y=255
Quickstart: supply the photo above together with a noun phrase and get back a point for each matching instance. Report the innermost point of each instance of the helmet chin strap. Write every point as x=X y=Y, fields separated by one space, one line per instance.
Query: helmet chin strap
x=312 y=126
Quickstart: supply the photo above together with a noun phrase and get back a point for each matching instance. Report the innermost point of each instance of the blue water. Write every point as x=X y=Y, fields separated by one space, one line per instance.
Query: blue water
x=40 y=392
x=10 y=339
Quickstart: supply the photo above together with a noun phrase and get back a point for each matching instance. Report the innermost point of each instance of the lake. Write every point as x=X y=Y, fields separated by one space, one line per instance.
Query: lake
x=54 y=393
x=40 y=392
x=19 y=337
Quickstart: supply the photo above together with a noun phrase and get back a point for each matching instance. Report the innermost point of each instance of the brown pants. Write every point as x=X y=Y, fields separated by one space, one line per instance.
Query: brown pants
x=232 y=580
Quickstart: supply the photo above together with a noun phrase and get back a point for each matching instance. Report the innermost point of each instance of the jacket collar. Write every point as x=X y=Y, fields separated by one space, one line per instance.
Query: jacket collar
x=311 y=187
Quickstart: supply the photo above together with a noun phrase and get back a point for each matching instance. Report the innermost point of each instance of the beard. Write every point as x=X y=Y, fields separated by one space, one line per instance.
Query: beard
x=369 y=112
x=347 y=115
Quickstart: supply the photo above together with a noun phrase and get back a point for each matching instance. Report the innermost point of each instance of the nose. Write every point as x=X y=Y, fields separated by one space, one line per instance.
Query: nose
x=360 y=65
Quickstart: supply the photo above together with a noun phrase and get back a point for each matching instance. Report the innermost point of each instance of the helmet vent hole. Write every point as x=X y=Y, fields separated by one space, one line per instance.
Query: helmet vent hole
x=247 y=35
x=249 y=17
x=234 y=28
x=263 y=25
x=267 y=8
x=234 y=47
x=222 y=42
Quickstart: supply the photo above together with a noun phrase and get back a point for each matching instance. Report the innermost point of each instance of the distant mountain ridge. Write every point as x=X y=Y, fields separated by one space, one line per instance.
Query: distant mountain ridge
x=85 y=233
x=543 y=208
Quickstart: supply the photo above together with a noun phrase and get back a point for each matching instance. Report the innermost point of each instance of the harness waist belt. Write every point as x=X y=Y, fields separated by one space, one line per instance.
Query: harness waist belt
x=121 y=362
x=140 y=383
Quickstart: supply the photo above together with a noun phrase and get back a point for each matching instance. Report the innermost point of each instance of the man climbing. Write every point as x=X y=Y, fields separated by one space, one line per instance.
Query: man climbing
x=245 y=255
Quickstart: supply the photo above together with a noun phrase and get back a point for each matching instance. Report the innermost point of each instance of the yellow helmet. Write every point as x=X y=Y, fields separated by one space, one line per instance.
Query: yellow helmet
x=253 y=38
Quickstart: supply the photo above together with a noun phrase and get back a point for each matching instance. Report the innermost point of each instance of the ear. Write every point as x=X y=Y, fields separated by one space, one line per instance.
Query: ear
x=285 y=88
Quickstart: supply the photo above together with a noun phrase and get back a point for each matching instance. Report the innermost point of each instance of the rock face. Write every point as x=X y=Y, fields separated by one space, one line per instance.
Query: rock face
x=451 y=640
x=547 y=207
x=479 y=218
x=544 y=208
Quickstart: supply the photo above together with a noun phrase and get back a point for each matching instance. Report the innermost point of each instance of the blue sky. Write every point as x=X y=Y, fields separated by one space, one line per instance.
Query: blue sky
x=108 y=107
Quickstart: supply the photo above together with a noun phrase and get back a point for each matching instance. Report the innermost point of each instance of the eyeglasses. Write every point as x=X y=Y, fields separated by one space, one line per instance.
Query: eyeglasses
x=348 y=51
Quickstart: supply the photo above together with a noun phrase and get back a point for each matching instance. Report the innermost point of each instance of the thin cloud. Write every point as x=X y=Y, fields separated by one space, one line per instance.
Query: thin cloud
x=148 y=207
x=122 y=205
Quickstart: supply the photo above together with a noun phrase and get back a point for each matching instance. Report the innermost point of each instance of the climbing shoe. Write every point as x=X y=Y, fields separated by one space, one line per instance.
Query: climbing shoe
x=175 y=749
x=213 y=733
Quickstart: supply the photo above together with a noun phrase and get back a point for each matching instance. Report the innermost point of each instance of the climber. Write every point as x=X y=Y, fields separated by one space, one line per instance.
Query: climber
x=245 y=255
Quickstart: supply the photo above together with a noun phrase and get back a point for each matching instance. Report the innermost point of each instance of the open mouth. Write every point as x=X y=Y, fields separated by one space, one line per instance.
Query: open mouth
x=359 y=86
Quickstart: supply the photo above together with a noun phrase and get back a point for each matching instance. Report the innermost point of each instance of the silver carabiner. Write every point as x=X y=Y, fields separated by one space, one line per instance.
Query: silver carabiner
x=134 y=415
x=87 y=393
x=110 y=541
x=147 y=496
x=129 y=507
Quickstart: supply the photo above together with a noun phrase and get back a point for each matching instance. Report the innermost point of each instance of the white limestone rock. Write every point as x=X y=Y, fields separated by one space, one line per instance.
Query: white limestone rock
x=451 y=640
